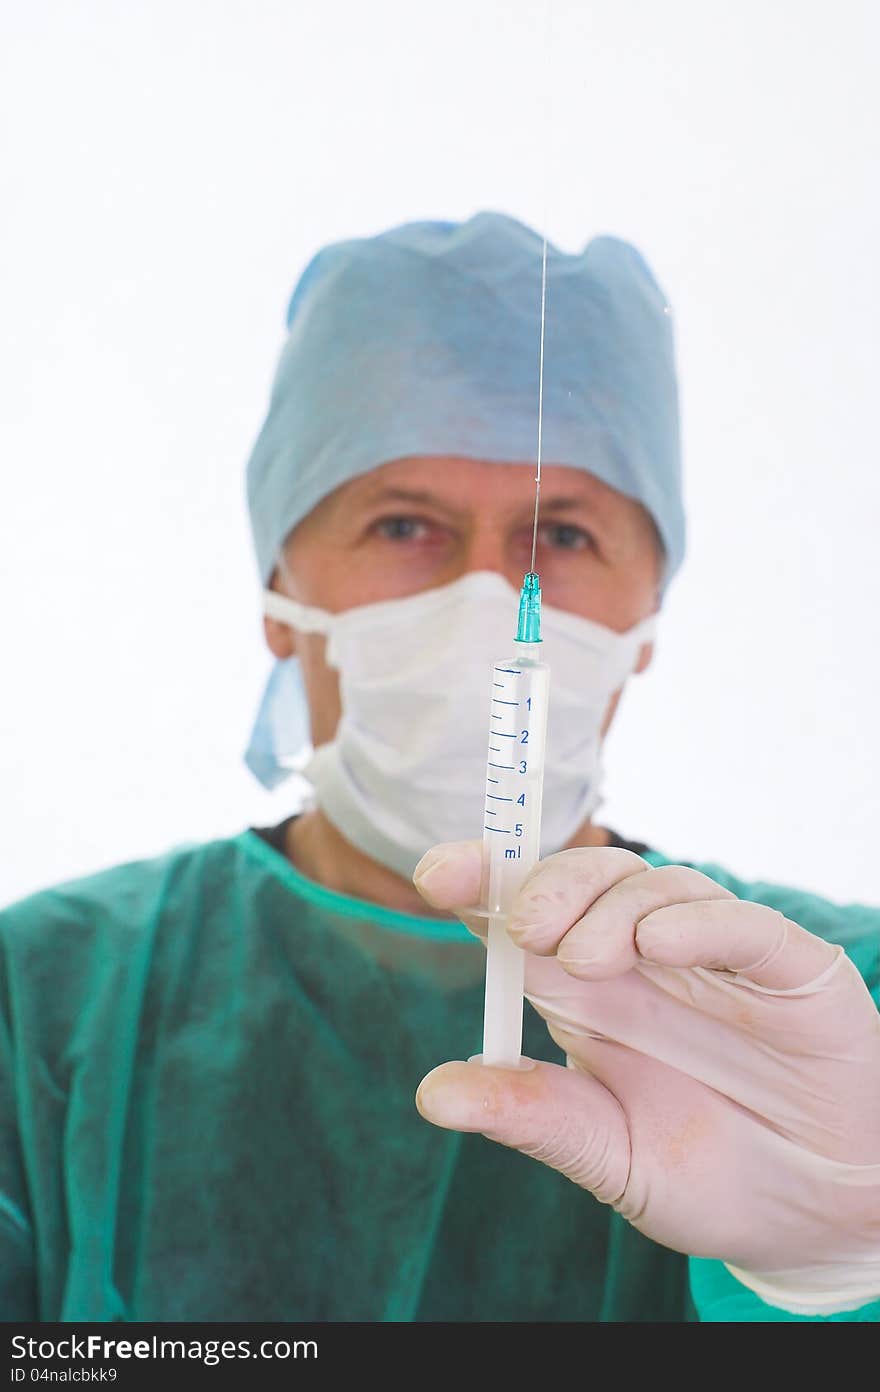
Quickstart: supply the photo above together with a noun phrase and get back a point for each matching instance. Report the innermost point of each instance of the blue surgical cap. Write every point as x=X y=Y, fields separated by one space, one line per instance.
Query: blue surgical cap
x=424 y=340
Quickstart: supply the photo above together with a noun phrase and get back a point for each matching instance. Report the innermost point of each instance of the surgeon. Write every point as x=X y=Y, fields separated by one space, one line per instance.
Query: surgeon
x=209 y=1059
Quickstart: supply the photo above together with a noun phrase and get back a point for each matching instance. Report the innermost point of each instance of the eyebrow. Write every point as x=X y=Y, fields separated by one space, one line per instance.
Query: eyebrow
x=404 y=495
x=424 y=498
x=559 y=502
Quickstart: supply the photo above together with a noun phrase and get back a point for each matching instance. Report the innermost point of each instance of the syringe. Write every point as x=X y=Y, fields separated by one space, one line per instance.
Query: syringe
x=512 y=824
x=515 y=784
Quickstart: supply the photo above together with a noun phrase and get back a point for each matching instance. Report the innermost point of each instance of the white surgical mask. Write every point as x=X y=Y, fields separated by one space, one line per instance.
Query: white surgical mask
x=407 y=766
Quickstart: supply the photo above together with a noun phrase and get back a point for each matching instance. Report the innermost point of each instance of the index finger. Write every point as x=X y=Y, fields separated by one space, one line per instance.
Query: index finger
x=450 y=875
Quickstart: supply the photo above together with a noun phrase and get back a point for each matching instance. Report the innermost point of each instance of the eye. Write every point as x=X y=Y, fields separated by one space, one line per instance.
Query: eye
x=564 y=536
x=401 y=528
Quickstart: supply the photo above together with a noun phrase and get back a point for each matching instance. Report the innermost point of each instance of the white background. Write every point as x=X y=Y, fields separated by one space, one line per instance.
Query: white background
x=167 y=169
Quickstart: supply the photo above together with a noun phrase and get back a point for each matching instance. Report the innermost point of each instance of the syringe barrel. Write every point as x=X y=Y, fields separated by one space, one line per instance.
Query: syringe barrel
x=512 y=833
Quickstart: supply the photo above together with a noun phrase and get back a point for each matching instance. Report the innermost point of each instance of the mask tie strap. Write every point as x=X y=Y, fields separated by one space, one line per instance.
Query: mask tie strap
x=646 y=630
x=300 y=616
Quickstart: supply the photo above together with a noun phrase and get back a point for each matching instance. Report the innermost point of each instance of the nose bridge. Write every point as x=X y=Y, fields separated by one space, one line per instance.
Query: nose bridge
x=488 y=545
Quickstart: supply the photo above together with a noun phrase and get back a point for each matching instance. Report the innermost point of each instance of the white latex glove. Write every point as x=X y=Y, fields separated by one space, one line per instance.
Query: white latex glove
x=723 y=1087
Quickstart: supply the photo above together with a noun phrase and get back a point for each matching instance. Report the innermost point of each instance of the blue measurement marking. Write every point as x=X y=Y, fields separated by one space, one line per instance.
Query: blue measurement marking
x=496 y=798
x=499 y=734
x=493 y=780
x=512 y=670
x=495 y=748
x=496 y=701
x=500 y=685
x=501 y=766
x=490 y=813
x=496 y=717
x=500 y=830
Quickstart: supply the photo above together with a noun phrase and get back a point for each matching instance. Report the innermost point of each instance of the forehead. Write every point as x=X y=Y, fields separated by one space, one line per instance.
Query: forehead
x=466 y=485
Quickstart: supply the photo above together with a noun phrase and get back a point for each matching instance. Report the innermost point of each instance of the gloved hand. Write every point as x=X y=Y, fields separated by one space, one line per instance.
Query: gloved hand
x=723 y=1080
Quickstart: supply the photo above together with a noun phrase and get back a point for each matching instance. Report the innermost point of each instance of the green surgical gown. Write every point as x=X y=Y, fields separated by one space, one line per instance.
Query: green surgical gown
x=207 y=1070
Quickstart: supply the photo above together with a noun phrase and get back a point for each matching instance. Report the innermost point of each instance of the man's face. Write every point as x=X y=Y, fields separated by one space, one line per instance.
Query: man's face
x=419 y=523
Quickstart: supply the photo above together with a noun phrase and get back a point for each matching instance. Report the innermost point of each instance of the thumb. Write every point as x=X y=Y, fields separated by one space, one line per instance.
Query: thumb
x=560 y=1116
